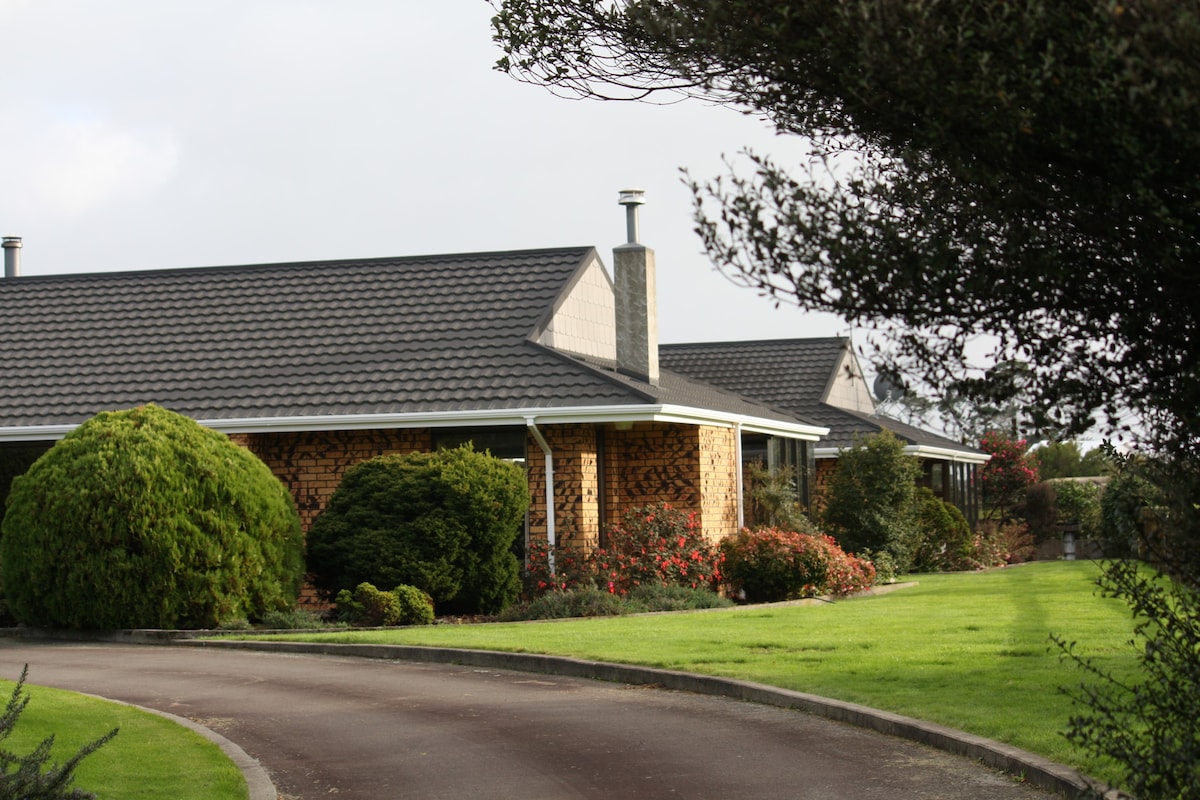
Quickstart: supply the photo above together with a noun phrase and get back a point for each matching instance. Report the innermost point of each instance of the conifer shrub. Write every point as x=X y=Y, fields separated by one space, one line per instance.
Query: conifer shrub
x=944 y=541
x=443 y=522
x=145 y=519
x=869 y=504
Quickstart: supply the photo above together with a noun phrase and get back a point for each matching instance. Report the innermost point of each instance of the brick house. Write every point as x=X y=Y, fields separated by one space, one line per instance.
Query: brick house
x=538 y=355
x=821 y=380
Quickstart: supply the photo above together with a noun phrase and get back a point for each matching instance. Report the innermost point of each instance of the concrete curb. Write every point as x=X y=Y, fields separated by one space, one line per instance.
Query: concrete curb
x=1031 y=767
x=258 y=781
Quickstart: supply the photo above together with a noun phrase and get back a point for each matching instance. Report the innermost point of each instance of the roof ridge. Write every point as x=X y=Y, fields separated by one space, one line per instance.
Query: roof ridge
x=309 y=264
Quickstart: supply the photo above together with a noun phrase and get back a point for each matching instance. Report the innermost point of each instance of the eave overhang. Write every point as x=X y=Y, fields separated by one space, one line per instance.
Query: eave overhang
x=683 y=415
x=920 y=451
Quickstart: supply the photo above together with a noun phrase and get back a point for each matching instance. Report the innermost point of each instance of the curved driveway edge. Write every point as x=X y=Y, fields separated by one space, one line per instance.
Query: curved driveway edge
x=258 y=782
x=1033 y=768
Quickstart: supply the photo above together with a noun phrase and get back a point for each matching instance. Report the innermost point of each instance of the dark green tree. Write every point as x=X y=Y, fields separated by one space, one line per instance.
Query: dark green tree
x=1022 y=170
x=1026 y=170
x=443 y=522
x=1065 y=459
x=869 y=505
x=145 y=519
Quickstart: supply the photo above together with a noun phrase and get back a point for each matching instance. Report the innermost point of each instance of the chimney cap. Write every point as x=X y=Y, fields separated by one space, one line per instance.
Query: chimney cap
x=12 y=241
x=632 y=197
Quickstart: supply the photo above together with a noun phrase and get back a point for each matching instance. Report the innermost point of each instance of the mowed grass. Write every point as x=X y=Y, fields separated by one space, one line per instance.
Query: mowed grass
x=152 y=758
x=971 y=651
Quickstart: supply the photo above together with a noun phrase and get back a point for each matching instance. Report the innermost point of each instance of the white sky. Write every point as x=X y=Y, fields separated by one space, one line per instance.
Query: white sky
x=146 y=134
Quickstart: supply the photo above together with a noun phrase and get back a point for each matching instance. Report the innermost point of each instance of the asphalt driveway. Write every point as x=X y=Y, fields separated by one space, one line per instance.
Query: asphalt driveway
x=326 y=726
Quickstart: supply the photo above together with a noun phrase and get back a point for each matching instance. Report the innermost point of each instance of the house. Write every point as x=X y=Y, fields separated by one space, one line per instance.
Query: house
x=821 y=380
x=538 y=355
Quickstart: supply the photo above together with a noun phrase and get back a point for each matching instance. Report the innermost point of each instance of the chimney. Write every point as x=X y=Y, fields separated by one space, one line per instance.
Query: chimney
x=12 y=256
x=637 y=317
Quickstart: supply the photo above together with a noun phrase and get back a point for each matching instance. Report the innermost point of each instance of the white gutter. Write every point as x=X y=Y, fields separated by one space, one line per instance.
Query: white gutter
x=920 y=451
x=542 y=443
x=737 y=456
x=518 y=416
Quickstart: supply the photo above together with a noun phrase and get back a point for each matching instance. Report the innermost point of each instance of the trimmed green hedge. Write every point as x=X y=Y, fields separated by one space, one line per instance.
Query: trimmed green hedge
x=145 y=519
x=443 y=522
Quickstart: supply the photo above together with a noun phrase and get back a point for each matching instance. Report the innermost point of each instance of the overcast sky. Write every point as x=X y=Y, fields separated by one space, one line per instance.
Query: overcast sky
x=147 y=134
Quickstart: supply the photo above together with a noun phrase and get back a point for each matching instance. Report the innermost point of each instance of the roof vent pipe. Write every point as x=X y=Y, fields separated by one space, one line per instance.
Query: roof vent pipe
x=12 y=256
x=631 y=199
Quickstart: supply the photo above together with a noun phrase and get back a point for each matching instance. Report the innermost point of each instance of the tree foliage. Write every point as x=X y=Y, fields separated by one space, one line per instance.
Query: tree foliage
x=1146 y=722
x=1065 y=459
x=1010 y=471
x=869 y=505
x=145 y=519
x=1027 y=170
x=443 y=522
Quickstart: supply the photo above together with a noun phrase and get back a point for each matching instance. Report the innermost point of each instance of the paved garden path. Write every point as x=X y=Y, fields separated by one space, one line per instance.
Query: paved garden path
x=362 y=729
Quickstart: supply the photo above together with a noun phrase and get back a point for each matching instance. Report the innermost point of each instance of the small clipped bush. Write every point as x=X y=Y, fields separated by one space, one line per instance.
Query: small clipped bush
x=444 y=522
x=145 y=519
x=769 y=565
x=675 y=598
x=587 y=601
x=296 y=619
x=368 y=606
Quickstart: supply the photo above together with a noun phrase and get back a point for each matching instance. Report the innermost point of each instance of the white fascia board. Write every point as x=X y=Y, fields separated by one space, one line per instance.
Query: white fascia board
x=518 y=416
x=35 y=433
x=920 y=451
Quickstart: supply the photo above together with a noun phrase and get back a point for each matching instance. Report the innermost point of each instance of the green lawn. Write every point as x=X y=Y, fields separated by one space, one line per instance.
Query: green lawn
x=966 y=650
x=151 y=758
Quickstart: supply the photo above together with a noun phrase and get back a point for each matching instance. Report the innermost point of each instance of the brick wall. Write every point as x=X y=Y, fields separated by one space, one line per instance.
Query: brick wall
x=718 y=481
x=825 y=469
x=690 y=467
x=311 y=463
x=576 y=484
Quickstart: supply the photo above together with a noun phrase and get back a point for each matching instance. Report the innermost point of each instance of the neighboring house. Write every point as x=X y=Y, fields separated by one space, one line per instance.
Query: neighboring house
x=316 y=366
x=821 y=380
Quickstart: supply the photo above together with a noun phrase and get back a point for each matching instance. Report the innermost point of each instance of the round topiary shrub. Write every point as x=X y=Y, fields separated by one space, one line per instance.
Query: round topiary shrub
x=145 y=519
x=443 y=522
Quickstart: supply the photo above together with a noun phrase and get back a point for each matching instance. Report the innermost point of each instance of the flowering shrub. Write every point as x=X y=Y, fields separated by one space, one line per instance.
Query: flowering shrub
x=569 y=573
x=1004 y=543
x=656 y=545
x=1009 y=472
x=770 y=565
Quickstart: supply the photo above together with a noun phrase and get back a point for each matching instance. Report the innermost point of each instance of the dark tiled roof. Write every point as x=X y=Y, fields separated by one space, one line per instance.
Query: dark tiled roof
x=791 y=374
x=428 y=335
x=674 y=388
x=372 y=336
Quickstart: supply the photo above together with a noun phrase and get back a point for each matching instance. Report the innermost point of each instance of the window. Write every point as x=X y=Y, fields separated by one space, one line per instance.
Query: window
x=507 y=443
x=778 y=453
